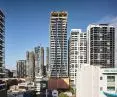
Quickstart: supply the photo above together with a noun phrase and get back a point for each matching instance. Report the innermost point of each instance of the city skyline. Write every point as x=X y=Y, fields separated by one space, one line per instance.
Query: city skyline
x=32 y=19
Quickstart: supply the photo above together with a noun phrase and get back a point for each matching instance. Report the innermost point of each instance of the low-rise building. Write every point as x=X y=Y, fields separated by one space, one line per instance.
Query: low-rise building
x=40 y=84
x=93 y=81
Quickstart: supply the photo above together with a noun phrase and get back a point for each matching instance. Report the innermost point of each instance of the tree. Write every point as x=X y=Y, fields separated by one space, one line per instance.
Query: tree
x=72 y=90
x=62 y=95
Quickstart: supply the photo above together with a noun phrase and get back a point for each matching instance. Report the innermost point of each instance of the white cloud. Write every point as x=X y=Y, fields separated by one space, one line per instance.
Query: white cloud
x=109 y=20
x=105 y=19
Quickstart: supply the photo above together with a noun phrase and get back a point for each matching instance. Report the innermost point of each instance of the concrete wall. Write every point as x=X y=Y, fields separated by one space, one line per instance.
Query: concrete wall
x=87 y=82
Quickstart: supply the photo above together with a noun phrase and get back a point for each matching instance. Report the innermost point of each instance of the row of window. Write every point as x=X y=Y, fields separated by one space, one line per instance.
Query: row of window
x=110 y=81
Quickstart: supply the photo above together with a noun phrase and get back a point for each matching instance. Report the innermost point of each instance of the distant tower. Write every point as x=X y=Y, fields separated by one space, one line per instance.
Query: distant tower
x=101 y=45
x=37 y=60
x=47 y=59
x=42 y=60
x=77 y=53
x=30 y=64
x=21 y=68
x=58 y=44
x=2 y=44
x=37 y=49
x=27 y=63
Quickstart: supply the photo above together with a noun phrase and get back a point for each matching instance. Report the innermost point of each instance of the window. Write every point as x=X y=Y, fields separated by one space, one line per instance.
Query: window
x=108 y=43
x=101 y=78
x=75 y=65
x=101 y=88
x=100 y=50
x=110 y=78
x=111 y=88
x=108 y=61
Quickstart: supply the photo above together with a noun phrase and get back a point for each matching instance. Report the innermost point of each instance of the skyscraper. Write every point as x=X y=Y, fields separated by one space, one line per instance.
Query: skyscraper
x=101 y=45
x=42 y=61
x=47 y=58
x=37 y=60
x=77 y=53
x=21 y=68
x=30 y=64
x=58 y=44
x=27 y=63
x=2 y=44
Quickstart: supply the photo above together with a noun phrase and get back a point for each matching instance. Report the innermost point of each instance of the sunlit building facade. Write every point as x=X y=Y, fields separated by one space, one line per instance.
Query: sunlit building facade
x=77 y=53
x=58 y=44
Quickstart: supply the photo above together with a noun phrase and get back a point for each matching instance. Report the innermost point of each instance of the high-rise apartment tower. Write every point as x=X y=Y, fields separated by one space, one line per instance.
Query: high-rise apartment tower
x=39 y=61
x=2 y=44
x=30 y=64
x=101 y=45
x=58 y=44
x=77 y=53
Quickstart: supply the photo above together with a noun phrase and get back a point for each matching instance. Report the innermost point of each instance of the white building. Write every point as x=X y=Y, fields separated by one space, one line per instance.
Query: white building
x=77 y=53
x=38 y=84
x=93 y=81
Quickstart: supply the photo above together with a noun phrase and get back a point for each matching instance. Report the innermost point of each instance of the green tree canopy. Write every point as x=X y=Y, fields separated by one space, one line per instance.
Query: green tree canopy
x=72 y=90
x=62 y=95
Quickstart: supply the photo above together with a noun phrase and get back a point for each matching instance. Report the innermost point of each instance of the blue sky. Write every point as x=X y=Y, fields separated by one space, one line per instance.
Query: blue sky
x=27 y=21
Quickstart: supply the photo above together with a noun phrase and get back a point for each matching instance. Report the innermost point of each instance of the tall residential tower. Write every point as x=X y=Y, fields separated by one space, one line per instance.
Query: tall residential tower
x=39 y=60
x=77 y=53
x=58 y=44
x=30 y=64
x=2 y=44
x=101 y=45
x=42 y=61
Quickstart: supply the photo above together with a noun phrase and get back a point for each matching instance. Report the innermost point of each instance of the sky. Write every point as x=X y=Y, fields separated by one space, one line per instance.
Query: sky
x=27 y=22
